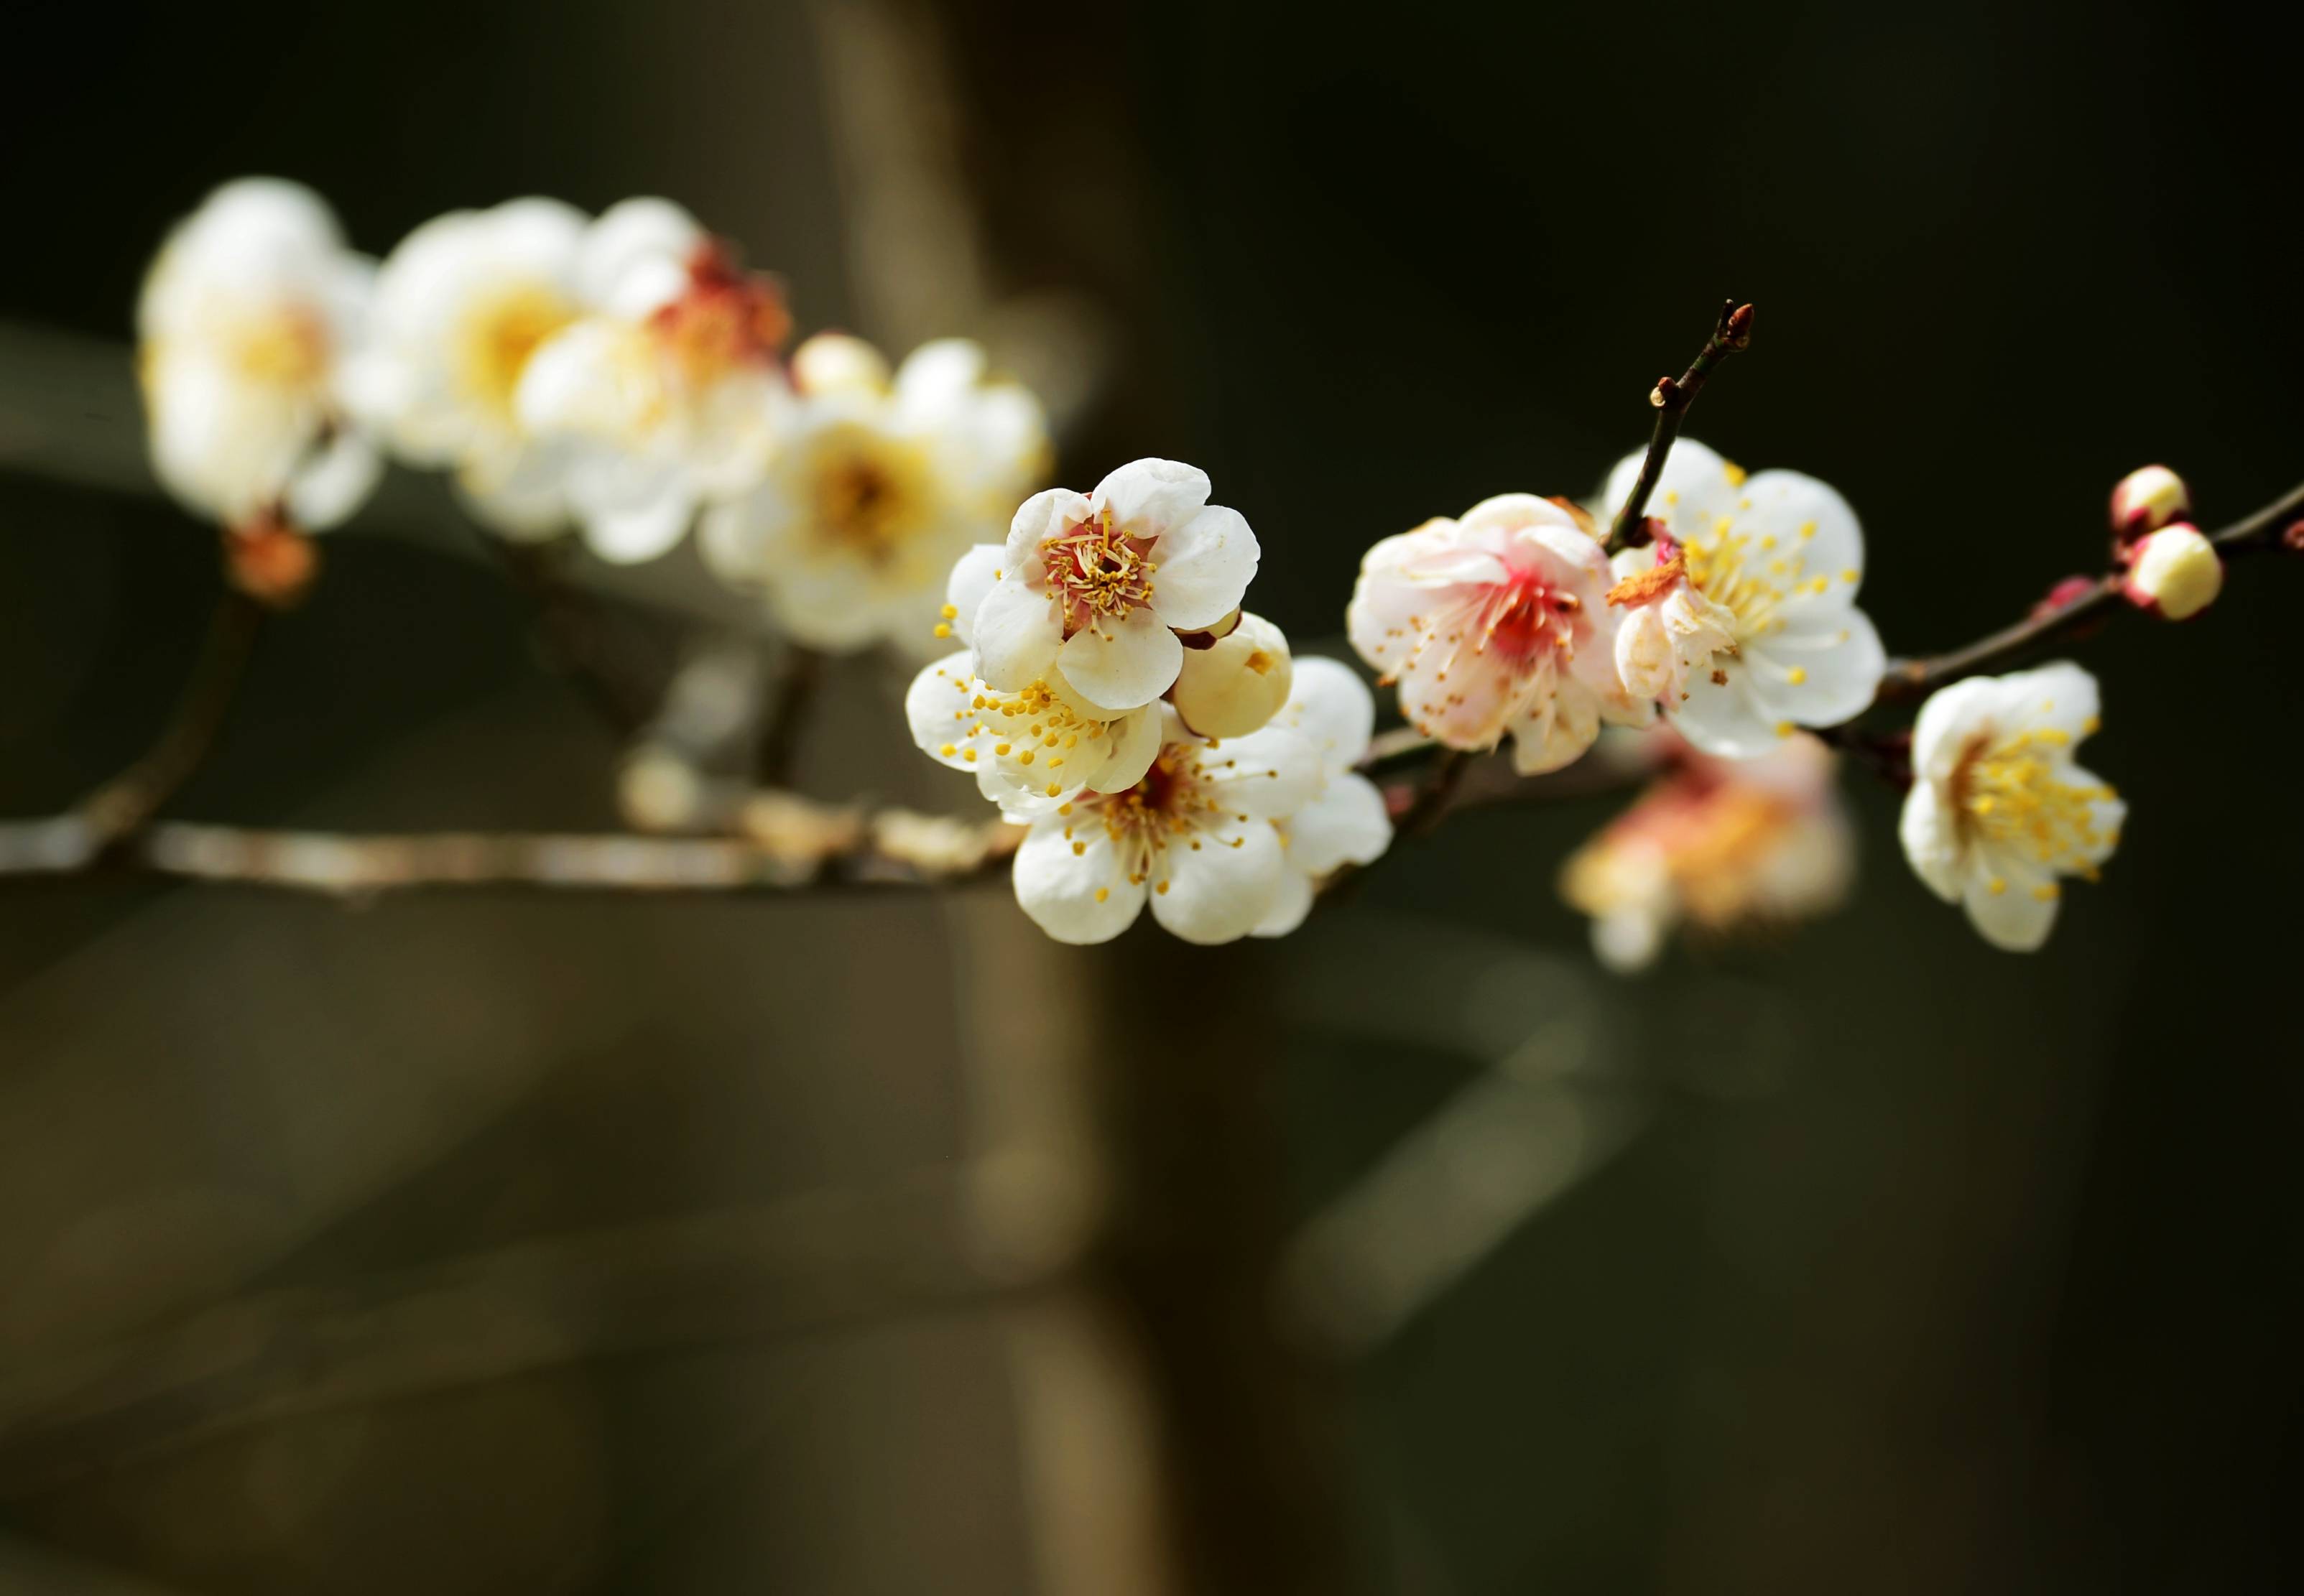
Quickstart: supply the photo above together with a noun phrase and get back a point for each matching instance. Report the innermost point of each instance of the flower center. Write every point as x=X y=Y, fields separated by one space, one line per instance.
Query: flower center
x=1097 y=574
x=288 y=349
x=1524 y=615
x=866 y=493
x=728 y=317
x=502 y=333
x=2014 y=793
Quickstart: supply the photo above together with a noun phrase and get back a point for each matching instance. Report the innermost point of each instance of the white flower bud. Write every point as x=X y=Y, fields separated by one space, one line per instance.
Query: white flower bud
x=838 y=363
x=658 y=790
x=2149 y=499
x=1237 y=683
x=2175 y=571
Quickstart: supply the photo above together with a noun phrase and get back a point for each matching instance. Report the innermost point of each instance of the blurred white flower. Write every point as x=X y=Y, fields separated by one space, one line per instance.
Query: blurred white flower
x=1778 y=558
x=666 y=392
x=1098 y=585
x=246 y=323
x=1496 y=623
x=2174 y=572
x=1998 y=811
x=1194 y=837
x=1343 y=820
x=1719 y=845
x=462 y=306
x=874 y=487
x=1230 y=687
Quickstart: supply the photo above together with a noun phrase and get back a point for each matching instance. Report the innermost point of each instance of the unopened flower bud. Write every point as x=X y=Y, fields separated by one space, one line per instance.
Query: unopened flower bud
x=838 y=363
x=1235 y=686
x=271 y=562
x=658 y=790
x=2175 y=572
x=2147 y=500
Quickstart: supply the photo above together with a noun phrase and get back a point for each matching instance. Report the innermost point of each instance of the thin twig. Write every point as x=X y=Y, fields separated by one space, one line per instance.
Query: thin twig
x=126 y=802
x=579 y=636
x=1430 y=804
x=1672 y=398
x=2257 y=532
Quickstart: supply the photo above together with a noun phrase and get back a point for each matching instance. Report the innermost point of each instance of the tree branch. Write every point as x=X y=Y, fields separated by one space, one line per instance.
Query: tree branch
x=787 y=716
x=2260 y=531
x=1672 y=398
x=578 y=636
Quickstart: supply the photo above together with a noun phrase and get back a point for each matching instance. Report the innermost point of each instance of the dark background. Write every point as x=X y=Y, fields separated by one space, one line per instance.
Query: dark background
x=1928 y=1267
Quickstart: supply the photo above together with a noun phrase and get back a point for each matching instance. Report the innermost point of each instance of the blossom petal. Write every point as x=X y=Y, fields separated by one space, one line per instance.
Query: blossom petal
x=1811 y=519
x=1120 y=666
x=972 y=576
x=1148 y=498
x=628 y=534
x=1135 y=745
x=1333 y=708
x=1269 y=774
x=335 y=482
x=1291 y=907
x=937 y=709
x=1725 y=719
x=936 y=381
x=1558 y=733
x=1205 y=565
x=2017 y=918
x=1076 y=887
x=1695 y=489
x=1221 y=890
x=1345 y=823
x=1931 y=834
x=1951 y=719
x=1041 y=516
x=1017 y=635
x=1818 y=675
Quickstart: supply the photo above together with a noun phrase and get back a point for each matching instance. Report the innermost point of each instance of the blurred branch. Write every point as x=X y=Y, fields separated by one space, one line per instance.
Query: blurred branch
x=1672 y=398
x=793 y=1267
x=2262 y=531
x=581 y=637
x=787 y=716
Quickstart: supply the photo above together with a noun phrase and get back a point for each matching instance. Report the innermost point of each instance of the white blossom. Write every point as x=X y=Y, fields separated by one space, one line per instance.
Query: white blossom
x=1032 y=750
x=1496 y=623
x=1717 y=845
x=1194 y=839
x=1998 y=811
x=1781 y=557
x=666 y=392
x=246 y=323
x=876 y=486
x=1099 y=583
x=1343 y=820
x=462 y=305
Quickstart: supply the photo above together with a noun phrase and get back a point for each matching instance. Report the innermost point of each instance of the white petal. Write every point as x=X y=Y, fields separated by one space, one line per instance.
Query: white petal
x=2060 y=696
x=1333 y=708
x=1930 y=834
x=633 y=236
x=1291 y=907
x=937 y=709
x=1809 y=518
x=1346 y=823
x=629 y=534
x=1121 y=665
x=1558 y=733
x=972 y=576
x=1017 y=635
x=1694 y=490
x=2017 y=918
x=1148 y=498
x=1038 y=519
x=1135 y=745
x=936 y=380
x=1205 y=565
x=1818 y=675
x=1059 y=880
x=334 y=482
x=1220 y=892
x=1948 y=723
x=1270 y=774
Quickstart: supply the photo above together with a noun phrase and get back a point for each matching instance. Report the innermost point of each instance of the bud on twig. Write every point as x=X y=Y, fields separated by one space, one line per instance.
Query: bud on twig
x=2147 y=500
x=2063 y=595
x=2174 y=572
x=1736 y=327
x=271 y=562
x=1664 y=392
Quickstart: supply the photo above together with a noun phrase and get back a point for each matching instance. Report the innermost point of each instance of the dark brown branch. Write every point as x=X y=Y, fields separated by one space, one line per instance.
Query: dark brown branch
x=2258 y=532
x=1428 y=806
x=123 y=804
x=580 y=636
x=787 y=716
x=1672 y=398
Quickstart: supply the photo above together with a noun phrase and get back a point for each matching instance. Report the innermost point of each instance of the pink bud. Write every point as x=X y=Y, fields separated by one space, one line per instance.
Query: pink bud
x=2063 y=595
x=2174 y=572
x=2147 y=500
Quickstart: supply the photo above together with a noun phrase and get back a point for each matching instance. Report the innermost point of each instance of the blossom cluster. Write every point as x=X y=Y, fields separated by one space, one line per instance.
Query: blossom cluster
x=622 y=377
x=1160 y=742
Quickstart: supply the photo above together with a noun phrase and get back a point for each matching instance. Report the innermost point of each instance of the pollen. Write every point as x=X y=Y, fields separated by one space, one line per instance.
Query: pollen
x=950 y=612
x=1796 y=675
x=1101 y=893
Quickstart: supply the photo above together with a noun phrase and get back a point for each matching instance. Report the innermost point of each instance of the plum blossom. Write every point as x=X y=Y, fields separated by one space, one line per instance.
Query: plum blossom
x=1193 y=838
x=1032 y=750
x=1998 y=811
x=1777 y=559
x=462 y=305
x=1344 y=821
x=1668 y=629
x=2174 y=572
x=1100 y=584
x=876 y=484
x=1717 y=845
x=2147 y=499
x=247 y=321
x=1230 y=686
x=1496 y=623
x=666 y=392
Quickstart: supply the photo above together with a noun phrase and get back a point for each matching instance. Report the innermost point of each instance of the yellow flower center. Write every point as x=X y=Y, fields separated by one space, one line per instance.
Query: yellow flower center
x=287 y=349
x=2013 y=792
x=501 y=334
x=870 y=493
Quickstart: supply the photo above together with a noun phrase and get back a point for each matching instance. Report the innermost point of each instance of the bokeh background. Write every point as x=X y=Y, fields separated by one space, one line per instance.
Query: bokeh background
x=871 y=1243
